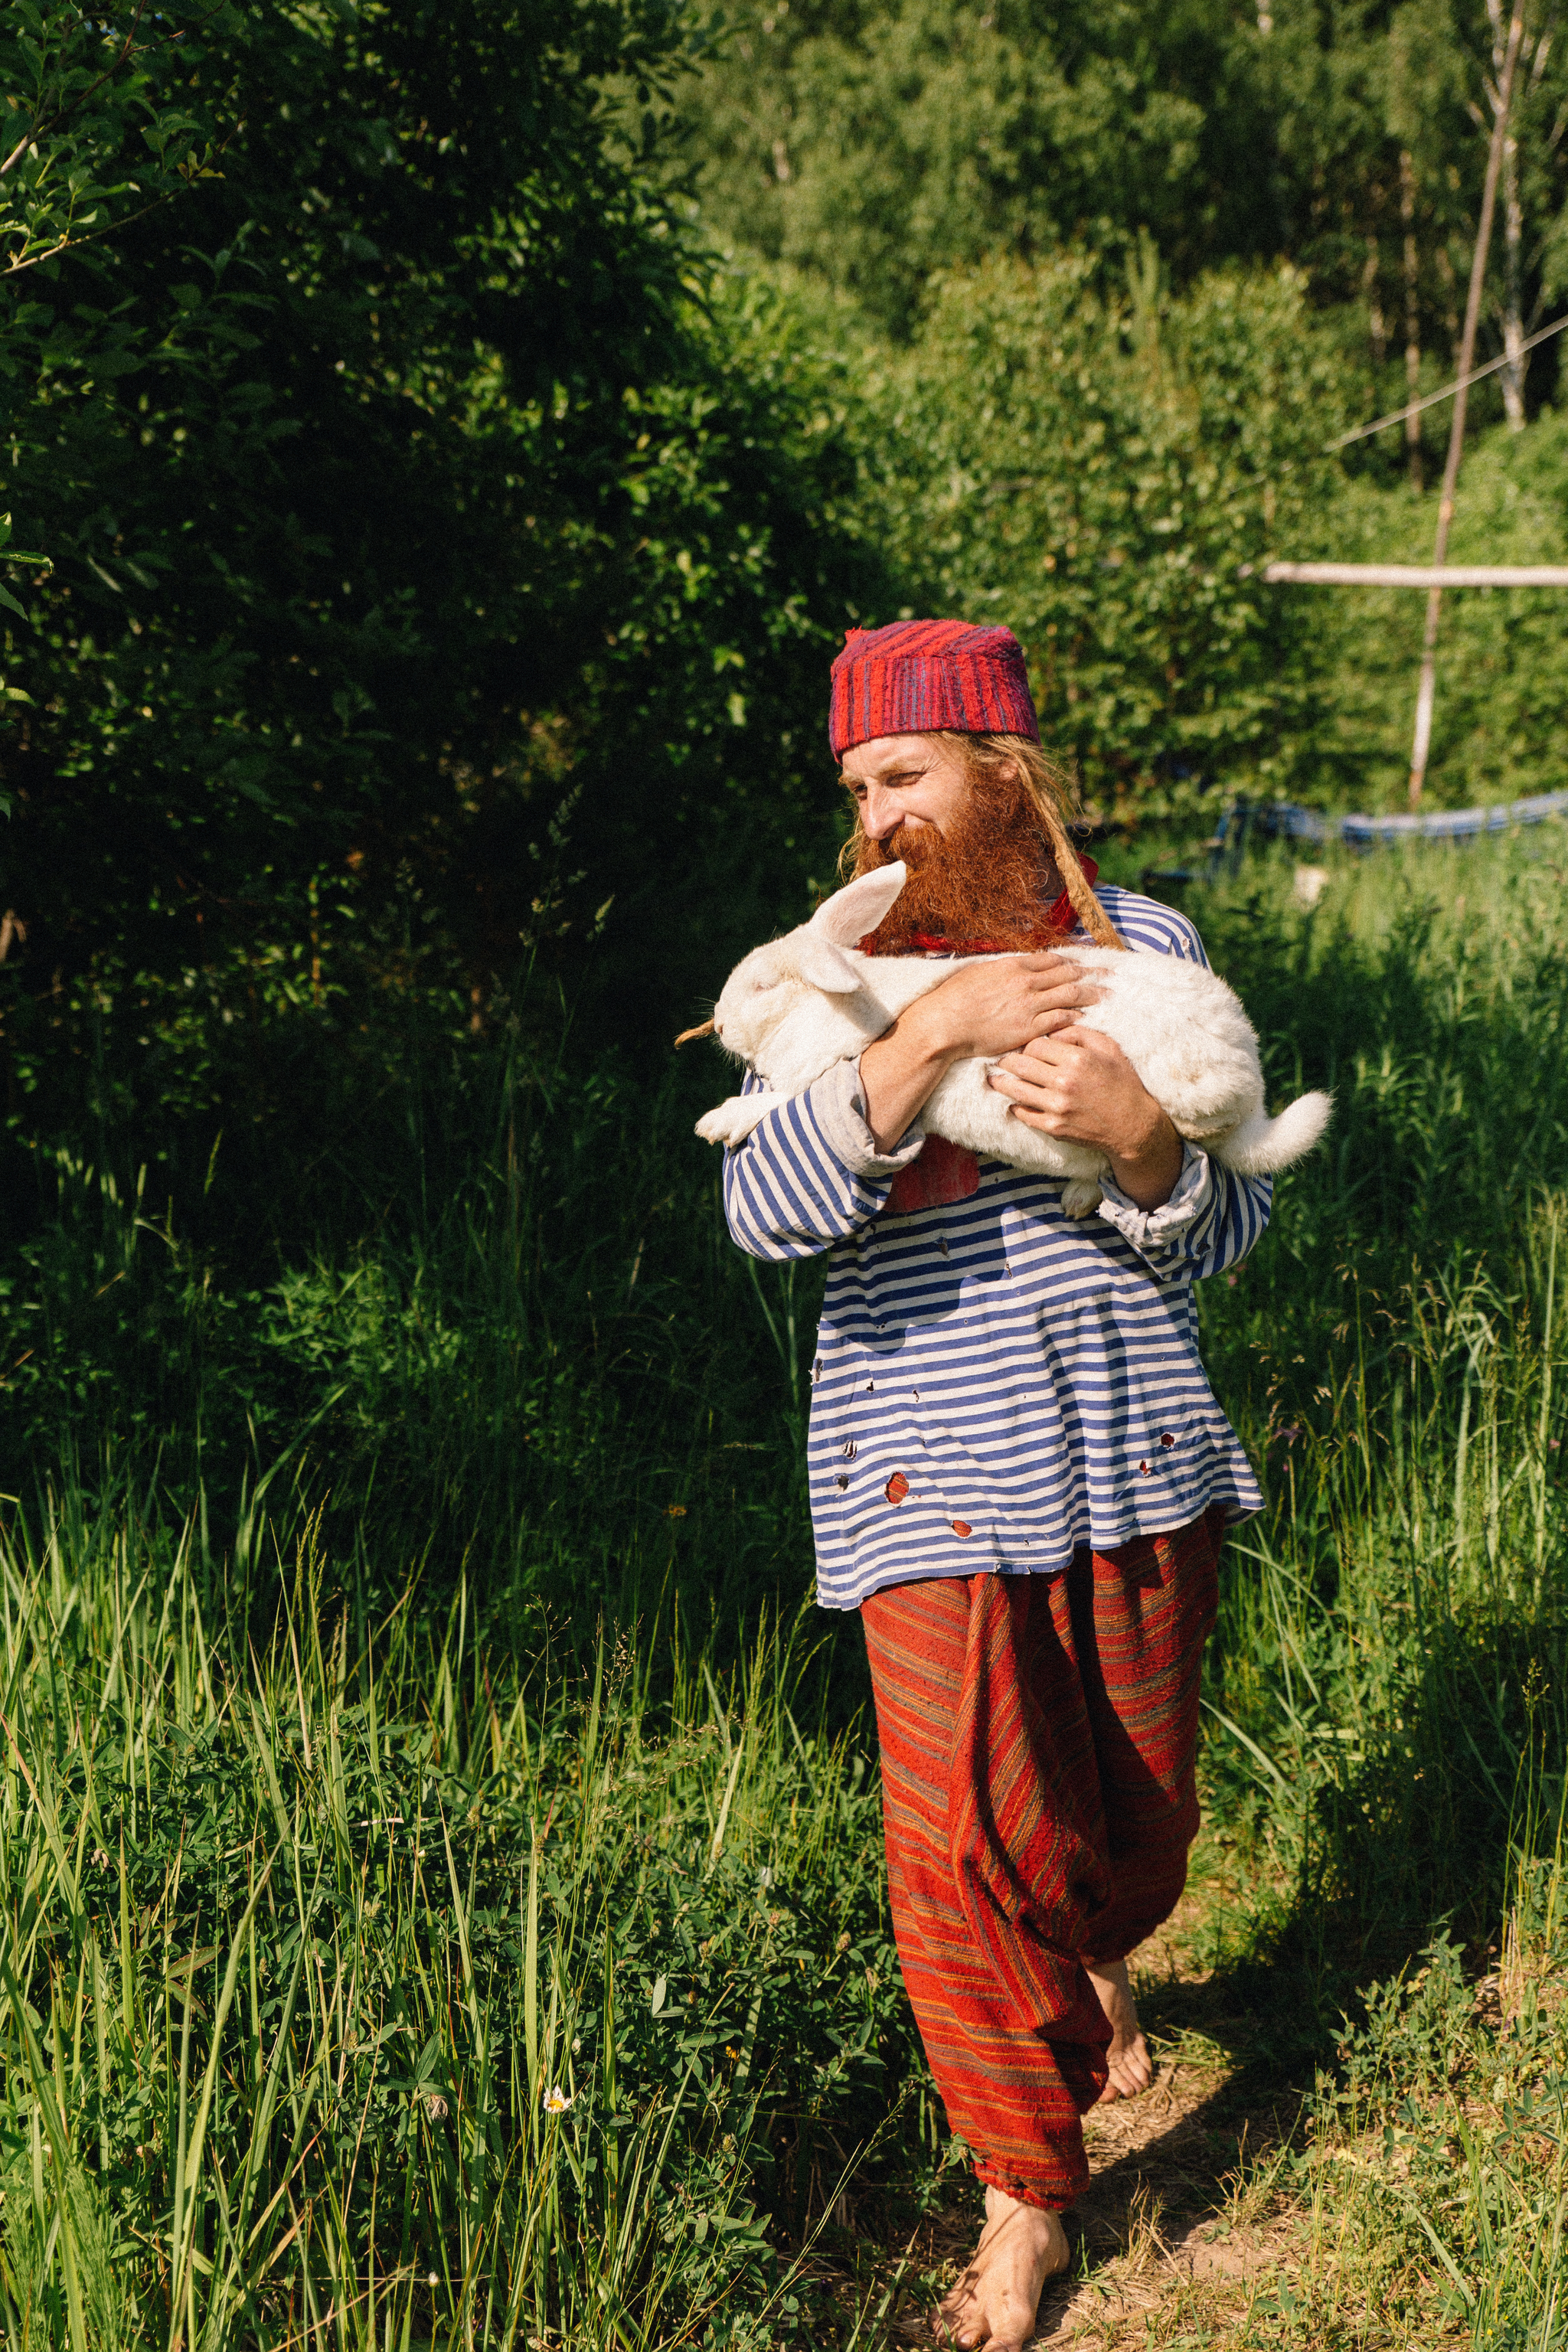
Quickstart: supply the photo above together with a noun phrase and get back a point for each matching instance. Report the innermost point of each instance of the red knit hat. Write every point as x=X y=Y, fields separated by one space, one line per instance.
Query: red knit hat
x=914 y=677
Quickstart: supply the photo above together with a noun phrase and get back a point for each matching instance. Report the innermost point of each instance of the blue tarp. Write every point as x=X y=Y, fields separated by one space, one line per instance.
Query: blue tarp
x=1287 y=819
x=1298 y=824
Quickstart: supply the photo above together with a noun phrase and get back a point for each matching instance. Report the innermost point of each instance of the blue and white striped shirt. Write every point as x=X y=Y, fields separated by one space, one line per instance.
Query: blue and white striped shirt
x=994 y=1384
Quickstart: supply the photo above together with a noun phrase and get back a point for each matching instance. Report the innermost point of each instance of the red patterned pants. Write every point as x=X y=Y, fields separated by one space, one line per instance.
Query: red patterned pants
x=1038 y=1737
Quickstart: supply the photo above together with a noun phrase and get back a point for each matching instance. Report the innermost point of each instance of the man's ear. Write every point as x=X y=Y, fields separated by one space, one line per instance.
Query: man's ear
x=859 y=906
x=823 y=966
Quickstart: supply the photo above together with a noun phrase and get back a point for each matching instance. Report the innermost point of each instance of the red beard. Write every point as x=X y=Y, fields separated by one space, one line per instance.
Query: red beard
x=985 y=885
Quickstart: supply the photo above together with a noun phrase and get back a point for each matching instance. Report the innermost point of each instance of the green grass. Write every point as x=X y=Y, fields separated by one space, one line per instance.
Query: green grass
x=427 y=1992
x=444 y=1728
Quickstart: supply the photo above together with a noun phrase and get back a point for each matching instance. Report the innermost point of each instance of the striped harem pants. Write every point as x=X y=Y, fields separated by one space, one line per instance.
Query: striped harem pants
x=1038 y=1737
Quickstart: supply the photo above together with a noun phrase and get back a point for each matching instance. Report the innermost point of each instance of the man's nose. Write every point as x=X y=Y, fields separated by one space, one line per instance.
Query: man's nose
x=881 y=813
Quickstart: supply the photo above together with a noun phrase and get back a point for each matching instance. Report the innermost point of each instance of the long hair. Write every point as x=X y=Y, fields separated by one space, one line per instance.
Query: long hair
x=1044 y=785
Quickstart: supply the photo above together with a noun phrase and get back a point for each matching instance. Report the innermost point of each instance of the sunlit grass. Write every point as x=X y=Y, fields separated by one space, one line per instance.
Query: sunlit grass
x=411 y=1995
x=441 y=1893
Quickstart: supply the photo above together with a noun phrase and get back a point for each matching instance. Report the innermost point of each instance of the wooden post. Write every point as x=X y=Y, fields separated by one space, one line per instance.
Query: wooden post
x=1422 y=743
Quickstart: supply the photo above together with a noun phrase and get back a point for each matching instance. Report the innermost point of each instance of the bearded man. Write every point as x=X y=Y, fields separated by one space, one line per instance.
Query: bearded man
x=1019 y=1474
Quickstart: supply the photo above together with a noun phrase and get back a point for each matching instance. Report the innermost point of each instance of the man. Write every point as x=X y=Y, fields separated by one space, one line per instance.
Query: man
x=1019 y=1474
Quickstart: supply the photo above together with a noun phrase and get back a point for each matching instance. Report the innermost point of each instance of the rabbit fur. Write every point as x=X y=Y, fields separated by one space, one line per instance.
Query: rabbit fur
x=792 y=1009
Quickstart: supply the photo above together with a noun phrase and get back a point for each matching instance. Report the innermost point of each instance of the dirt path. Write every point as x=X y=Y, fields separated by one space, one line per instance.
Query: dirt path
x=1167 y=2231
x=1167 y=2240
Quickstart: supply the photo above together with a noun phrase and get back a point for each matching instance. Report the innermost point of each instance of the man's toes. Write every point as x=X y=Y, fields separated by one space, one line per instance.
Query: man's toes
x=956 y=2321
x=1129 y=2072
x=1010 y=2326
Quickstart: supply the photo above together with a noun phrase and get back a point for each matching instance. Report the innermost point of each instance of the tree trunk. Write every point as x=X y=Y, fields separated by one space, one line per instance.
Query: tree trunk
x=1412 y=314
x=1513 y=241
x=1375 y=320
x=1426 y=693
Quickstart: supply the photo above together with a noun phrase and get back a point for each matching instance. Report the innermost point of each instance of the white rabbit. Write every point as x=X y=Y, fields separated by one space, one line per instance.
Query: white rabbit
x=793 y=1008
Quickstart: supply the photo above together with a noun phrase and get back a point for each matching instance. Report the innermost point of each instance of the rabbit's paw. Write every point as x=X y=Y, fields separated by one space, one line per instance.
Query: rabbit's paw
x=1081 y=1197
x=732 y=1122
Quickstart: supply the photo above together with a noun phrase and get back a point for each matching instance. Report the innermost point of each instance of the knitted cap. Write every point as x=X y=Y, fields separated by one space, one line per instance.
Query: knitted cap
x=914 y=677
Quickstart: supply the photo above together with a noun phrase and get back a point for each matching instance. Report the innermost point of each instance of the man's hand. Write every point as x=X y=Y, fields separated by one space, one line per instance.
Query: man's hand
x=1078 y=1085
x=998 y=1004
x=993 y=1006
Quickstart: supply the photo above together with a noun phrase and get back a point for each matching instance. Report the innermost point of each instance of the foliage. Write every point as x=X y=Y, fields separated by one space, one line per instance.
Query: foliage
x=499 y=1332
x=421 y=534
x=1499 y=676
x=1439 y=2150
x=544 y=1402
x=1194 y=427
x=105 y=121
x=873 y=144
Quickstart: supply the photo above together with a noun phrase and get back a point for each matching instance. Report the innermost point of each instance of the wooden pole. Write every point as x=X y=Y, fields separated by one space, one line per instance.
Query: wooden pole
x=1422 y=743
x=1417 y=575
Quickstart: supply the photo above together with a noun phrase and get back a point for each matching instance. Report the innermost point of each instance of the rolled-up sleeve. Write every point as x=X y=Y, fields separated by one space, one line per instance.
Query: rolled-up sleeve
x=1210 y=1222
x=810 y=1171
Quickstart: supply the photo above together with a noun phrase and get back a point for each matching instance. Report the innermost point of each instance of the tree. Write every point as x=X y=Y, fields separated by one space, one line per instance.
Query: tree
x=869 y=145
x=88 y=140
x=441 y=557
x=1105 y=475
x=104 y=119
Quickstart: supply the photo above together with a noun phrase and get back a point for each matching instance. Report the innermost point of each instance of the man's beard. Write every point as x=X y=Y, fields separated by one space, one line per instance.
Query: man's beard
x=983 y=885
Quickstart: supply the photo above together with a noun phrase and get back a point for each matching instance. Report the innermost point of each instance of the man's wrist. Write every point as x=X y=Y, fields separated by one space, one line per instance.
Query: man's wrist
x=899 y=1071
x=1150 y=1174
x=905 y=1048
x=923 y=1029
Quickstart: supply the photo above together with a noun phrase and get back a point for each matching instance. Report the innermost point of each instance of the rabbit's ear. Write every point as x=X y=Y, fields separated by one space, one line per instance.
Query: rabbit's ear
x=859 y=906
x=822 y=965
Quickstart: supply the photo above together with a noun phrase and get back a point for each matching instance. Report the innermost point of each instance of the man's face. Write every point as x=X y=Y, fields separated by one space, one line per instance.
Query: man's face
x=977 y=867
x=900 y=781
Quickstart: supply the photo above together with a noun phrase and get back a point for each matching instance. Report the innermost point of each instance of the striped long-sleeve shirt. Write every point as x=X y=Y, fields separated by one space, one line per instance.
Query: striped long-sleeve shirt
x=994 y=1384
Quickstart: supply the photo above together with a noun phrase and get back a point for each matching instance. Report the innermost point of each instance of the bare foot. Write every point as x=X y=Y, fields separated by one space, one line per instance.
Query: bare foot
x=1131 y=2068
x=995 y=2301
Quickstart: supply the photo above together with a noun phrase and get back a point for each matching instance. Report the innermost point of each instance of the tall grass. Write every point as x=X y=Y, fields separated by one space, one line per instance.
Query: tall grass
x=409 y=1719
x=1393 y=1635
x=414 y=1993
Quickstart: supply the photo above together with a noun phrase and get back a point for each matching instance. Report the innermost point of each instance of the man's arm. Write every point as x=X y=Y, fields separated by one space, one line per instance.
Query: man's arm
x=811 y=1171
x=993 y=1005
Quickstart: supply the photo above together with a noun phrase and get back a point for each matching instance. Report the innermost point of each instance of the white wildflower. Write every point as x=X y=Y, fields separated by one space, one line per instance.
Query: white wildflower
x=556 y=2100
